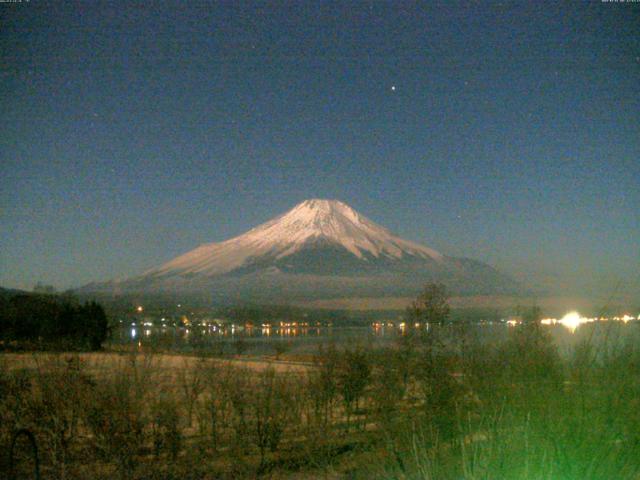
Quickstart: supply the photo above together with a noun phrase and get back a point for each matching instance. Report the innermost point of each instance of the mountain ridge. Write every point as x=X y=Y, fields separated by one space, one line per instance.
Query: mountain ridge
x=312 y=220
x=319 y=247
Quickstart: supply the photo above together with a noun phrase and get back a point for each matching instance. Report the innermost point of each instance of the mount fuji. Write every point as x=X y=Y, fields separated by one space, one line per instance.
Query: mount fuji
x=318 y=249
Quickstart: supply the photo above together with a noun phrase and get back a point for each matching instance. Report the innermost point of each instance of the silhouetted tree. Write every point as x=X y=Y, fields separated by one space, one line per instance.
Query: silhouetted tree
x=42 y=288
x=53 y=320
x=96 y=325
x=431 y=306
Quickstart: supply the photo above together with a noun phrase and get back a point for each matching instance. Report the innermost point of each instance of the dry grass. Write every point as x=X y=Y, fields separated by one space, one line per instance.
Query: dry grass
x=96 y=362
x=436 y=406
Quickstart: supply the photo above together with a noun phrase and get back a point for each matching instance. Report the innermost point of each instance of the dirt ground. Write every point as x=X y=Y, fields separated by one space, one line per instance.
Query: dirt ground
x=101 y=361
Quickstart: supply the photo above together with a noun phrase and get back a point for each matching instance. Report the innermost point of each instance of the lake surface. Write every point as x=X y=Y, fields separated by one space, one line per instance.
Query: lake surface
x=307 y=340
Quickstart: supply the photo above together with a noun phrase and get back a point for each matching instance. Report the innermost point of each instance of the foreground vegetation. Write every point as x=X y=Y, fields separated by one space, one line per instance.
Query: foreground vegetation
x=438 y=404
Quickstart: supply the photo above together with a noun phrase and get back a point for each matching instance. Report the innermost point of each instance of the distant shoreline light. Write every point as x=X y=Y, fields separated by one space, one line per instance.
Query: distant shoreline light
x=573 y=320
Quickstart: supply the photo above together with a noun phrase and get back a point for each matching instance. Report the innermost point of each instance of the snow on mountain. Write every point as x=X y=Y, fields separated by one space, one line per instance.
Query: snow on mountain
x=318 y=249
x=329 y=222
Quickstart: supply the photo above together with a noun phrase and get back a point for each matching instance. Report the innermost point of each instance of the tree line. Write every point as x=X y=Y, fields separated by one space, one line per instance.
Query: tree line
x=51 y=321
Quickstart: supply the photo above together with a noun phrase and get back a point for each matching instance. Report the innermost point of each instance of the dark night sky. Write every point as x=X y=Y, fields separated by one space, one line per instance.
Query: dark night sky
x=133 y=132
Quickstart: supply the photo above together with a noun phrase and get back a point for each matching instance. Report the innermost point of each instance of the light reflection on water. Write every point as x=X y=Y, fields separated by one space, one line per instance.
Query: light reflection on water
x=259 y=340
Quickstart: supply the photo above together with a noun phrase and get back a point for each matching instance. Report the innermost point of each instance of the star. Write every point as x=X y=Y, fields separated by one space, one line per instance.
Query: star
x=393 y=88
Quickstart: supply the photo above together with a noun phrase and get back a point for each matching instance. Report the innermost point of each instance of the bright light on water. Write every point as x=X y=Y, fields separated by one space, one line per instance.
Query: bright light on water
x=572 y=320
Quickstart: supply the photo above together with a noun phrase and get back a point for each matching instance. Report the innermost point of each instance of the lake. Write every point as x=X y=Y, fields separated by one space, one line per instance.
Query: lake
x=307 y=340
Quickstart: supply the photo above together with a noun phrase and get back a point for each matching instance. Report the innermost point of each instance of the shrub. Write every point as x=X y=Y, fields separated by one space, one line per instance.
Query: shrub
x=272 y=409
x=165 y=420
x=353 y=376
x=117 y=415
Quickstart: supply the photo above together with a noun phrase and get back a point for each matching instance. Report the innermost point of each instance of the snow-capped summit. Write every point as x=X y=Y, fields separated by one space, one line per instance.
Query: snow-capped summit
x=318 y=249
x=331 y=223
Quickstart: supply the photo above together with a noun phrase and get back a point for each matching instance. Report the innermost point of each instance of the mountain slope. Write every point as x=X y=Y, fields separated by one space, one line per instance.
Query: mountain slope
x=313 y=224
x=318 y=248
